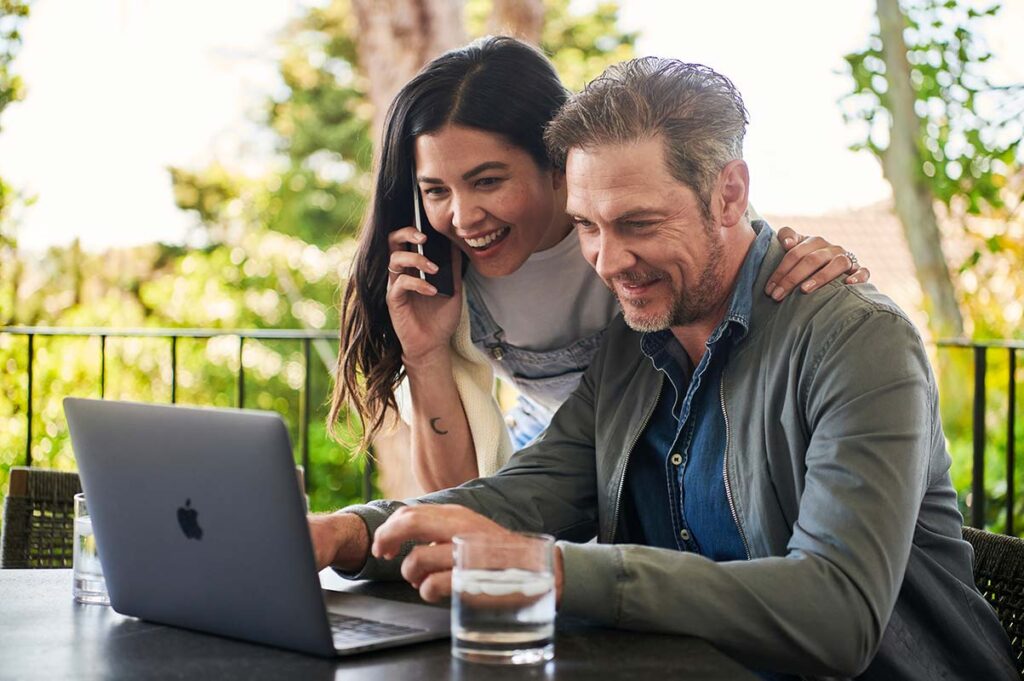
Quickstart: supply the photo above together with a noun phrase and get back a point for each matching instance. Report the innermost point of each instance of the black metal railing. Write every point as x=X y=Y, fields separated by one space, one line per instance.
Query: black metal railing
x=306 y=337
x=981 y=351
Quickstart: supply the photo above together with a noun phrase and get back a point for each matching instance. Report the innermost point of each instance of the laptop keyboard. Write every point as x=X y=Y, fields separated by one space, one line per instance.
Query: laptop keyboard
x=347 y=630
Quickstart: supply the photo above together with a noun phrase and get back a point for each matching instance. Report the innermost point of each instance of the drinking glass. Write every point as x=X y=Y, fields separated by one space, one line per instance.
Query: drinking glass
x=503 y=598
x=88 y=585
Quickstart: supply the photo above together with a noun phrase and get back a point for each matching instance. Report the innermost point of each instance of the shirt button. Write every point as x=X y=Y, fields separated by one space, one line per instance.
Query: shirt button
x=677 y=459
x=684 y=534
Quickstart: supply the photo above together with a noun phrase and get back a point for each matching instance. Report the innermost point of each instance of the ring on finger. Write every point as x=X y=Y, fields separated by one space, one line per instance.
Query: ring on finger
x=394 y=271
x=854 y=264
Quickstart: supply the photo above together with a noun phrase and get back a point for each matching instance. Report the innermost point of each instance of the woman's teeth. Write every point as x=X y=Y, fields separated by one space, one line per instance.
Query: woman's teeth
x=488 y=239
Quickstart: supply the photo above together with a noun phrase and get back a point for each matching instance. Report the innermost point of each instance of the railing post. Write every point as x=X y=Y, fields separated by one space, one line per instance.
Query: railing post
x=304 y=408
x=28 y=410
x=241 y=373
x=978 y=479
x=174 y=369
x=368 y=476
x=1011 y=435
x=103 y=366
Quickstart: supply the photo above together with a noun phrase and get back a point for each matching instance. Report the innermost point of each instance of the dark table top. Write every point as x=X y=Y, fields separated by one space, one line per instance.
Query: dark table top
x=45 y=635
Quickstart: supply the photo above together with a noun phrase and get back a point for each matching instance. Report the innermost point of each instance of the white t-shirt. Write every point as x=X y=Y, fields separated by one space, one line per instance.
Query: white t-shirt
x=550 y=302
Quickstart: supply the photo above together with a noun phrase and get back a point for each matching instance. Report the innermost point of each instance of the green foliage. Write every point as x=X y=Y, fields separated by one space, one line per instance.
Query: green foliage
x=13 y=14
x=584 y=45
x=158 y=286
x=955 y=366
x=320 y=122
x=970 y=129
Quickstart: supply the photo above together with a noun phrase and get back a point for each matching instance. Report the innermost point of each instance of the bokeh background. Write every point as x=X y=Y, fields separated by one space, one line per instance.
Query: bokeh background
x=206 y=165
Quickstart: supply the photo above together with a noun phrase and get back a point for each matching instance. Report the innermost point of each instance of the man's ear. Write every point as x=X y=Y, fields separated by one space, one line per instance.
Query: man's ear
x=732 y=191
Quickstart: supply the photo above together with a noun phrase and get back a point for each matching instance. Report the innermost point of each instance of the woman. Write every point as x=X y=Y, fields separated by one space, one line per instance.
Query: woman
x=470 y=127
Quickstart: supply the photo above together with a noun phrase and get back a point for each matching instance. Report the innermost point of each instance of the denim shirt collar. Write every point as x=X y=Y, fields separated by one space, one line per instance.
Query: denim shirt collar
x=654 y=344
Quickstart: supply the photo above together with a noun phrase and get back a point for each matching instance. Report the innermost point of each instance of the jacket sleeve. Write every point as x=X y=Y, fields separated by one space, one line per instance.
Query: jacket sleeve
x=822 y=608
x=548 y=487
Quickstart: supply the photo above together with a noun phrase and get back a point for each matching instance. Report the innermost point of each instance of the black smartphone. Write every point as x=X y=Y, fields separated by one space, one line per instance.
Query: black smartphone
x=437 y=248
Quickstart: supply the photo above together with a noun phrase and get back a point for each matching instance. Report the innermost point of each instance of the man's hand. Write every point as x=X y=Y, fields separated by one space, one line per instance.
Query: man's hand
x=428 y=567
x=339 y=540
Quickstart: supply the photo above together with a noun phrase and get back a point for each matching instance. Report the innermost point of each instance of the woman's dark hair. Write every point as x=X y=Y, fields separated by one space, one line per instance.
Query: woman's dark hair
x=497 y=85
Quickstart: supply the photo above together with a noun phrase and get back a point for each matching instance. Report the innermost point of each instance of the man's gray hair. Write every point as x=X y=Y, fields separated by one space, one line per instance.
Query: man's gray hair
x=699 y=113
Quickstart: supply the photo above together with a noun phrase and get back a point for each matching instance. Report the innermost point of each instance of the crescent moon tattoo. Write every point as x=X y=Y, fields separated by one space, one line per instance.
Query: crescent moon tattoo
x=433 y=425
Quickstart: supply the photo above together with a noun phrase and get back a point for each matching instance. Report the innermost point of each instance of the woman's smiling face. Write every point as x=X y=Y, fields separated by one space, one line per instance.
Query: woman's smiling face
x=490 y=197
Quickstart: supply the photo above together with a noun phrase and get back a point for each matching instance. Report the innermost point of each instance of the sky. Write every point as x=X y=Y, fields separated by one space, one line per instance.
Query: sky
x=117 y=90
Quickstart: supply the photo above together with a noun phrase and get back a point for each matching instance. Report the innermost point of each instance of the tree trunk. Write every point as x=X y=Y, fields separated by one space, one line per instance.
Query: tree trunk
x=395 y=38
x=523 y=19
x=901 y=164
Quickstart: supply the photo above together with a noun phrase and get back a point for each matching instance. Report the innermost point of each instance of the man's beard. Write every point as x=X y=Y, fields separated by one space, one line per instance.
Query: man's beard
x=686 y=307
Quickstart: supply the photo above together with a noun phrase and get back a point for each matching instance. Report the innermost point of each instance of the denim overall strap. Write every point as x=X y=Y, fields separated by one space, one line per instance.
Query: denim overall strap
x=544 y=379
x=484 y=331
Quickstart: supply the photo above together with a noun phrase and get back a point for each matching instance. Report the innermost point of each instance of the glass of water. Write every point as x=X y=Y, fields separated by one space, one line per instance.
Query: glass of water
x=88 y=585
x=503 y=598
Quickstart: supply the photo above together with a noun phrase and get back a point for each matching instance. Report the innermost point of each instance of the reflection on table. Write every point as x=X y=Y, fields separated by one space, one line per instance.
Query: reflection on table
x=45 y=635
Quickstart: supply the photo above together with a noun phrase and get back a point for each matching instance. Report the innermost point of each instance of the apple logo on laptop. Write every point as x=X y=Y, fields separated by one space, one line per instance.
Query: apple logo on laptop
x=188 y=518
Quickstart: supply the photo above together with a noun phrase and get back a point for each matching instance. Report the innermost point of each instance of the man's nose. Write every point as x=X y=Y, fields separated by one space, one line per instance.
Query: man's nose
x=614 y=255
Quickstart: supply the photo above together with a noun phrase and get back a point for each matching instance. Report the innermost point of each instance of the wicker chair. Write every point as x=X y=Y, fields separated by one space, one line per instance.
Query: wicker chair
x=999 y=574
x=39 y=516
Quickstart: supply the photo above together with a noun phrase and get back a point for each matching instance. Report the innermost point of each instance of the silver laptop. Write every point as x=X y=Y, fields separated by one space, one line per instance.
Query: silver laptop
x=202 y=525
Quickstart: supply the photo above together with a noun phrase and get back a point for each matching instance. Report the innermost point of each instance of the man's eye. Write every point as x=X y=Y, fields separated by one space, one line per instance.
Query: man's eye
x=582 y=224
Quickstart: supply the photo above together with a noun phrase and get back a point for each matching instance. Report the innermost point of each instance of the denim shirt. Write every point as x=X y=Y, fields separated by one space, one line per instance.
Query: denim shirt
x=676 y=489
x=675 y=479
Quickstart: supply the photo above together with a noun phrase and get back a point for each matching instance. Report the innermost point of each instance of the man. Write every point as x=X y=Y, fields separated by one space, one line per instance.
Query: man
x=770 y=477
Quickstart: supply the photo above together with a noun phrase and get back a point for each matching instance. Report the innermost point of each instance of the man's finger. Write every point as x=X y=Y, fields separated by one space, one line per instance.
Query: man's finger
x=425 y=560
x=427 y=523
x=436 y=586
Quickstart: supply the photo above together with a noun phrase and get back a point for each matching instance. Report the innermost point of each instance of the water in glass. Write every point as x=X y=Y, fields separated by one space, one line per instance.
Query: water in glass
x=88 y=584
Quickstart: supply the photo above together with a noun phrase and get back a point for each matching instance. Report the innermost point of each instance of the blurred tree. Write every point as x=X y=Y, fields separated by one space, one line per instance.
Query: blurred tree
x=13 y=14
x=945 y=135
x=395 y=38
x=522 y=19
